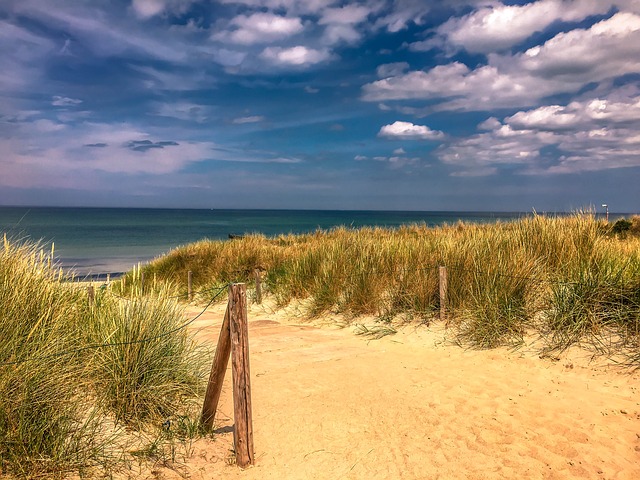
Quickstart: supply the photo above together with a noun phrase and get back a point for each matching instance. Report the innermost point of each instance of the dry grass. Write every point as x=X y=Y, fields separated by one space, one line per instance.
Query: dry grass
x=73 y=375
x=568 y=278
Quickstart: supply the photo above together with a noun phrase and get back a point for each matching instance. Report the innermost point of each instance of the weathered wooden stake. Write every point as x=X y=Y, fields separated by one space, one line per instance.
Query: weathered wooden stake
x=218 y=369
x=442 y=273
x=238 y=325
x=258 y=287
x=190 y=285
x=91 y=295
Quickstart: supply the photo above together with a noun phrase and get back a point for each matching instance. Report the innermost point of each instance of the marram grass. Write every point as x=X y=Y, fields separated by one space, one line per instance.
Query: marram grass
x=65 y=398
x=568 y=278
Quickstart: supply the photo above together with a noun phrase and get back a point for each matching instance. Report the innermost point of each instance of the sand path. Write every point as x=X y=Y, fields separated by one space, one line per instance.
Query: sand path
x=328 y=404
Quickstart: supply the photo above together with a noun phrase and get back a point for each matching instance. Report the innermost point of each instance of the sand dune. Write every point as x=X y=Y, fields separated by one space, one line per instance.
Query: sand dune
x=328 y=404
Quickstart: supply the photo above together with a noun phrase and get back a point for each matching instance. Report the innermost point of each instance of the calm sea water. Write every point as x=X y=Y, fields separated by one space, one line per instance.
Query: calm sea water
x=93 y=241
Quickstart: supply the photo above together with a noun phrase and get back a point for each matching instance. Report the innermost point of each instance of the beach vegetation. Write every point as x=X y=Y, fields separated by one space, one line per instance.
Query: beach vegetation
x=86 y=385
x=571 y=279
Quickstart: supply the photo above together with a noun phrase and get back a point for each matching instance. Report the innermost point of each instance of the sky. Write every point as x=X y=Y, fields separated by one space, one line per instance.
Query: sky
x=478 y=105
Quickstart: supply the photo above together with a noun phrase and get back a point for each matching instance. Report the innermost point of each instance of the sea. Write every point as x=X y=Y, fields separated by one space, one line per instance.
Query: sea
x=94 y=242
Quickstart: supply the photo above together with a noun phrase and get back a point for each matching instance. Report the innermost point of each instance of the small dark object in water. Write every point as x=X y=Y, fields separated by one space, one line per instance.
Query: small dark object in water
x=234 y=236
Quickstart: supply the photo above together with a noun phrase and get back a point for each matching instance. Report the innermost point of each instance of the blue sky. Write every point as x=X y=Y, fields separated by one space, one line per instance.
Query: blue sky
x=388 y=104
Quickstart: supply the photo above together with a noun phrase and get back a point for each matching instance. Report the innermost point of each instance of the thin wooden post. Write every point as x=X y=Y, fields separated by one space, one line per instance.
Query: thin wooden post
x=243 y=431
x=258 y=287
x=442 y=274
x=190 y=285
x=216 y=378
x=91 y=295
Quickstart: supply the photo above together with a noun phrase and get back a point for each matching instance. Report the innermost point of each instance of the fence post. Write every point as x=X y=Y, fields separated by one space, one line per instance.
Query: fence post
x=442 y=274
x=243 y=431
x=91 y=295
x=258 y=287
x=216 y=378
x=190 y=285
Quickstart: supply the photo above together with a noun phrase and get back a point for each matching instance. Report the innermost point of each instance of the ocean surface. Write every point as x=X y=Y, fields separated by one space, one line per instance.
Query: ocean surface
x=97 y=241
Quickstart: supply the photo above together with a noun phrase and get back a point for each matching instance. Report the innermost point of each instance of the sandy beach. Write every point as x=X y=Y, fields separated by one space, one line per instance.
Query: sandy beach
x=328 y=404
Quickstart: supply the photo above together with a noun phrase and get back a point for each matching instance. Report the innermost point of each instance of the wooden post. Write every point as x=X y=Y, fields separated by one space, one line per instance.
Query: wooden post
x=258 y=287
x=442 y=273
x=91 y=295
x=190 y=285
x=218 y=369
x=243 y=432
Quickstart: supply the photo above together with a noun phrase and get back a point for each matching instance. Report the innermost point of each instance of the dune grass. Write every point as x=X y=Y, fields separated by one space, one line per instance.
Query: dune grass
x=66 y=400
x=568 y=278
x=68 y=403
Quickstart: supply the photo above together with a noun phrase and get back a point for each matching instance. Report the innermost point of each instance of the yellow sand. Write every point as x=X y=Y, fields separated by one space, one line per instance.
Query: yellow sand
x=328 y=404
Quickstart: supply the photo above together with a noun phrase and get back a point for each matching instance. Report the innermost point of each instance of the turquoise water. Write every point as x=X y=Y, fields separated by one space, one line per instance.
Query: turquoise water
x=93 y=241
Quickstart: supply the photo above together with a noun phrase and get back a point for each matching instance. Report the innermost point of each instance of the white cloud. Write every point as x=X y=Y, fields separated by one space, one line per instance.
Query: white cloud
x=341 y=22
x=294 y=56
x=393 y=162
x=591 y=134
x=251 y=119
x=409 y=131
x=334 y=34
x=564 y=64
x=185 y=111
x=348 y=14
x=292 y=6
x=149 y=8
x=608 y=49
x=23 y=52
x=392 y=69
x=499 y=27
x=260 y=28
x=402 y=13
x=102 y=35
x=399 y=151
x=59 y=101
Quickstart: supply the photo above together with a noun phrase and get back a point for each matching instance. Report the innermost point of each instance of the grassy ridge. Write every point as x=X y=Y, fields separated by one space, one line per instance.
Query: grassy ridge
x=65 y=398
x=569 y=278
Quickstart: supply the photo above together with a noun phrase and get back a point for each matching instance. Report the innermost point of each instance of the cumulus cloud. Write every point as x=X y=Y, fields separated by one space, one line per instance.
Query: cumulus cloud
x=409 y=131
x=591 y=134
x=563 y=64
x=499 y=27
x=402 y=13
x=295 y=56
x=341 y=22
x=260 y=28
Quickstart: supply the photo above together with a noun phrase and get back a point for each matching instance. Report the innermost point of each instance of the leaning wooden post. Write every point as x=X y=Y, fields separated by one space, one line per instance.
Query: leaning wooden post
x=442 y=273
x=216 y=378
x=258 y=287
x=243 y=432
x=91 y=295
x=190 y=285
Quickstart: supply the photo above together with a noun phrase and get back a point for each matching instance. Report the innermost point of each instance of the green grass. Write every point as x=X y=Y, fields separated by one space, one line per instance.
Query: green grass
x=570 y=279
x=69 y=406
